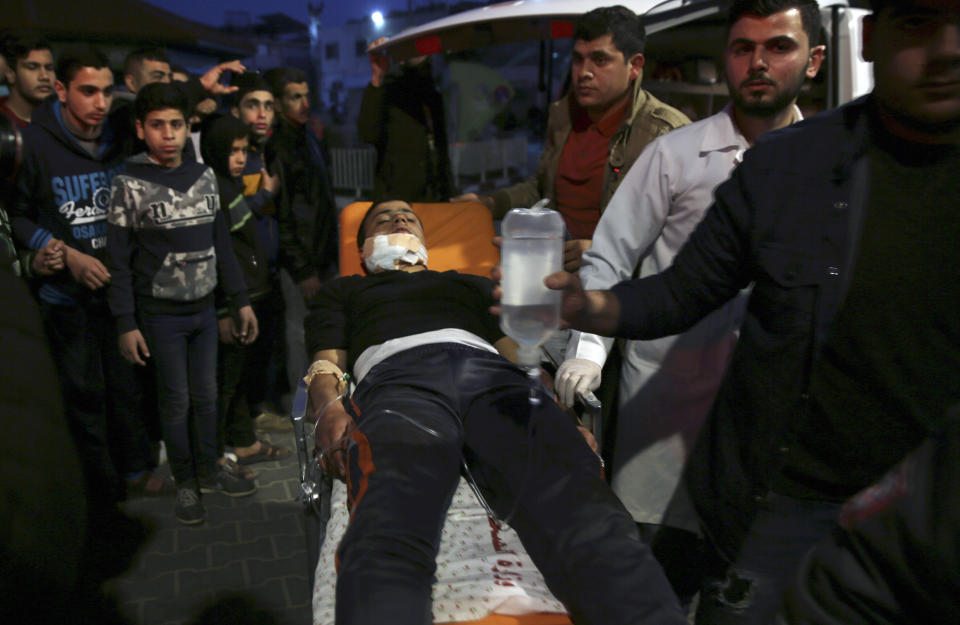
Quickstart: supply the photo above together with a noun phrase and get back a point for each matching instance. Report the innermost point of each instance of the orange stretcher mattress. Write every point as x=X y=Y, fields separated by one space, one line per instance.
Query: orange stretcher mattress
x=459 y=237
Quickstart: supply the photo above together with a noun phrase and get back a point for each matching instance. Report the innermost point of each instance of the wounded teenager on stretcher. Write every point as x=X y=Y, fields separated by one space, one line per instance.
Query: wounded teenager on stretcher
x=433 y=395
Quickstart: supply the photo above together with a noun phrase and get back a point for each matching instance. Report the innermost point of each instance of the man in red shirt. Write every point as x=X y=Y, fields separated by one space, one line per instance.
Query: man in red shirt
x=596 y=131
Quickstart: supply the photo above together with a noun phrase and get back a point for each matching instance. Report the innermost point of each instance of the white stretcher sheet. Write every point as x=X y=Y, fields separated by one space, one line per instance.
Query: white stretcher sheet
x=480 y=570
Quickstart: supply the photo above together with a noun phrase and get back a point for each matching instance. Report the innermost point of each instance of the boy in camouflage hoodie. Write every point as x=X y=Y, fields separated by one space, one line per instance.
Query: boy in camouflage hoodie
x=168 y=245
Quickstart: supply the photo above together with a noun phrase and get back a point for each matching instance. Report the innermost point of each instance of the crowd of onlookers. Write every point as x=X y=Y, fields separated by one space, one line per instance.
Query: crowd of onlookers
x=122 y=231
x=174 y=229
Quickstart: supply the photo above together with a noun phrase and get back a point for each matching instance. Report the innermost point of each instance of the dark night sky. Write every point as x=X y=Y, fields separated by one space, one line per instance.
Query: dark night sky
x=335 y=12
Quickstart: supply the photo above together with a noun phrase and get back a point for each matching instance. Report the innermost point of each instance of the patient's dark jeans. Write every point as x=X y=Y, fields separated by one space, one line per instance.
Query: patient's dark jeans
x=417 y=413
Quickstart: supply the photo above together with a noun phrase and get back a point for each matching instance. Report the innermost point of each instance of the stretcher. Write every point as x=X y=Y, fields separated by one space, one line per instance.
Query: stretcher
x=484 y=576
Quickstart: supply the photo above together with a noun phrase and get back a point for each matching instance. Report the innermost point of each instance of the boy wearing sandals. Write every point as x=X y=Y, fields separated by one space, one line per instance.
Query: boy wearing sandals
x=224 y=145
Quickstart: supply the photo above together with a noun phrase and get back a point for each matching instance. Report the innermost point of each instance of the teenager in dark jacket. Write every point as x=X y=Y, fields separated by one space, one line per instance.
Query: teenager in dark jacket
x=240 y=366
x=306 y=210
x=254 y=106
x=62 y=192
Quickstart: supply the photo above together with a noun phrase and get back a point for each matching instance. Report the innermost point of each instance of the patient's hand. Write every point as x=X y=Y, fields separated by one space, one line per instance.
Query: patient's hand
x=331 y=436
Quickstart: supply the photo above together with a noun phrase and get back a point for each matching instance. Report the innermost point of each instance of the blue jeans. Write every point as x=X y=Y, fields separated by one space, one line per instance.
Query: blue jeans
x=748 y=591
x=184 y=352
x=101 y=395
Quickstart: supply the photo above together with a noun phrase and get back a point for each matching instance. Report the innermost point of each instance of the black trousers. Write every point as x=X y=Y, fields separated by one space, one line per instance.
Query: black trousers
x=417 y=413
x=241 y=371
x=101 y=396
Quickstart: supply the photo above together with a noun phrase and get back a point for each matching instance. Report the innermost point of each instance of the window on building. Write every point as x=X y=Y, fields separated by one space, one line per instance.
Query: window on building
x=332 y=51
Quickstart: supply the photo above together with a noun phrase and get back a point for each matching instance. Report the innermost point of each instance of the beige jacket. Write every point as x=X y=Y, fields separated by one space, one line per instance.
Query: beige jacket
x=648 y=119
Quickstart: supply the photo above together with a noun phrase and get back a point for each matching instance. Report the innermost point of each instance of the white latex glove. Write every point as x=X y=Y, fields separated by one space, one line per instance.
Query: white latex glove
x=576 y=375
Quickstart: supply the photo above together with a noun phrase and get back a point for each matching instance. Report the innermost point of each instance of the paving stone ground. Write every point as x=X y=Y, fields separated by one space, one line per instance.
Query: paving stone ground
x=251 y=545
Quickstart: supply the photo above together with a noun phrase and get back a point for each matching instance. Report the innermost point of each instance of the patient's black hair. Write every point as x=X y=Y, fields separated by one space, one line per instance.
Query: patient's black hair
x=362 y=231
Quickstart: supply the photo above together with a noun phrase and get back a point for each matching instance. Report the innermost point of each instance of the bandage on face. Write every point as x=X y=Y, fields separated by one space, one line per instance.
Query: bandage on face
x=388 y=252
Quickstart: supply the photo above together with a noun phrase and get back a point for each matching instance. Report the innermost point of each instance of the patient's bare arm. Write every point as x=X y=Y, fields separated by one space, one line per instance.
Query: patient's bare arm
x=325 y=406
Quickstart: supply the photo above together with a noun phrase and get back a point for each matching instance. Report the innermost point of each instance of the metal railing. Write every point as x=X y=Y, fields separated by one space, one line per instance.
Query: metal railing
x=353 y=167
x=488 y=157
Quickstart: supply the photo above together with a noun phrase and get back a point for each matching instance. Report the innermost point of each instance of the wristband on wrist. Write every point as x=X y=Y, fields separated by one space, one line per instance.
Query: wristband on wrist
x=325 y=367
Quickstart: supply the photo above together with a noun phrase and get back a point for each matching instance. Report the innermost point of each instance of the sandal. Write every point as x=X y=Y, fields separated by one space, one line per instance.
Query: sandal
x=267 y=453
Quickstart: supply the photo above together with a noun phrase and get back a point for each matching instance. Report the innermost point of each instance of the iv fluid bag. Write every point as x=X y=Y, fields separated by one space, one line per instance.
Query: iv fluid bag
x=532 y=249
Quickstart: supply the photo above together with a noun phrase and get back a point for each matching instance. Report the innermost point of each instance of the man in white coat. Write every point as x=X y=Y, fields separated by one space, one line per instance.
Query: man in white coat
x=668 y=385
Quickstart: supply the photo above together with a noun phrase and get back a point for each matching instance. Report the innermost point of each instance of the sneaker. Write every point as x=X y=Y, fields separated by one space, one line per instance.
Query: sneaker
x=188 y=508
x=228 y=483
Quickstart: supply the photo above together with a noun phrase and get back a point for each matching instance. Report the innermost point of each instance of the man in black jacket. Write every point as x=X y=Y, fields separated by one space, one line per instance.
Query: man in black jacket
x=402 y=115
x=846 y=225
x=306 y=210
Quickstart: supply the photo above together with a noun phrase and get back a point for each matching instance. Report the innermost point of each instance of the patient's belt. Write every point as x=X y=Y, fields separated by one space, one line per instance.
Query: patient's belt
x=375 y=354
x=388 y=252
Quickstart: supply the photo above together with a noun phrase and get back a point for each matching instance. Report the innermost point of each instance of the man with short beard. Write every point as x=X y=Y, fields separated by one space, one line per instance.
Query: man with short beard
x=667 y=385
x=30 y=74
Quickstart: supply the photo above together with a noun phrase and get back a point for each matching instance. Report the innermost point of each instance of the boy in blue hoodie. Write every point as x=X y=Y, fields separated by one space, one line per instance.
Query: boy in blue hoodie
x=169 y=246
x=61 y=193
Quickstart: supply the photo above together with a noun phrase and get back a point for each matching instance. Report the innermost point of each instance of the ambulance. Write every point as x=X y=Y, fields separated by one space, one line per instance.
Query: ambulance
x=685 y=40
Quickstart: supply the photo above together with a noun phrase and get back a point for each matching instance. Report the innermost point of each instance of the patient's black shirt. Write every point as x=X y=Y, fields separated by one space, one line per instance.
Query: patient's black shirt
x=354 y=312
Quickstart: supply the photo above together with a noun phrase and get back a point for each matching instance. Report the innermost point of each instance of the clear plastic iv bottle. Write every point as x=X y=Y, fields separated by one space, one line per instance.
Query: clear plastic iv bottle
x=532 y=249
